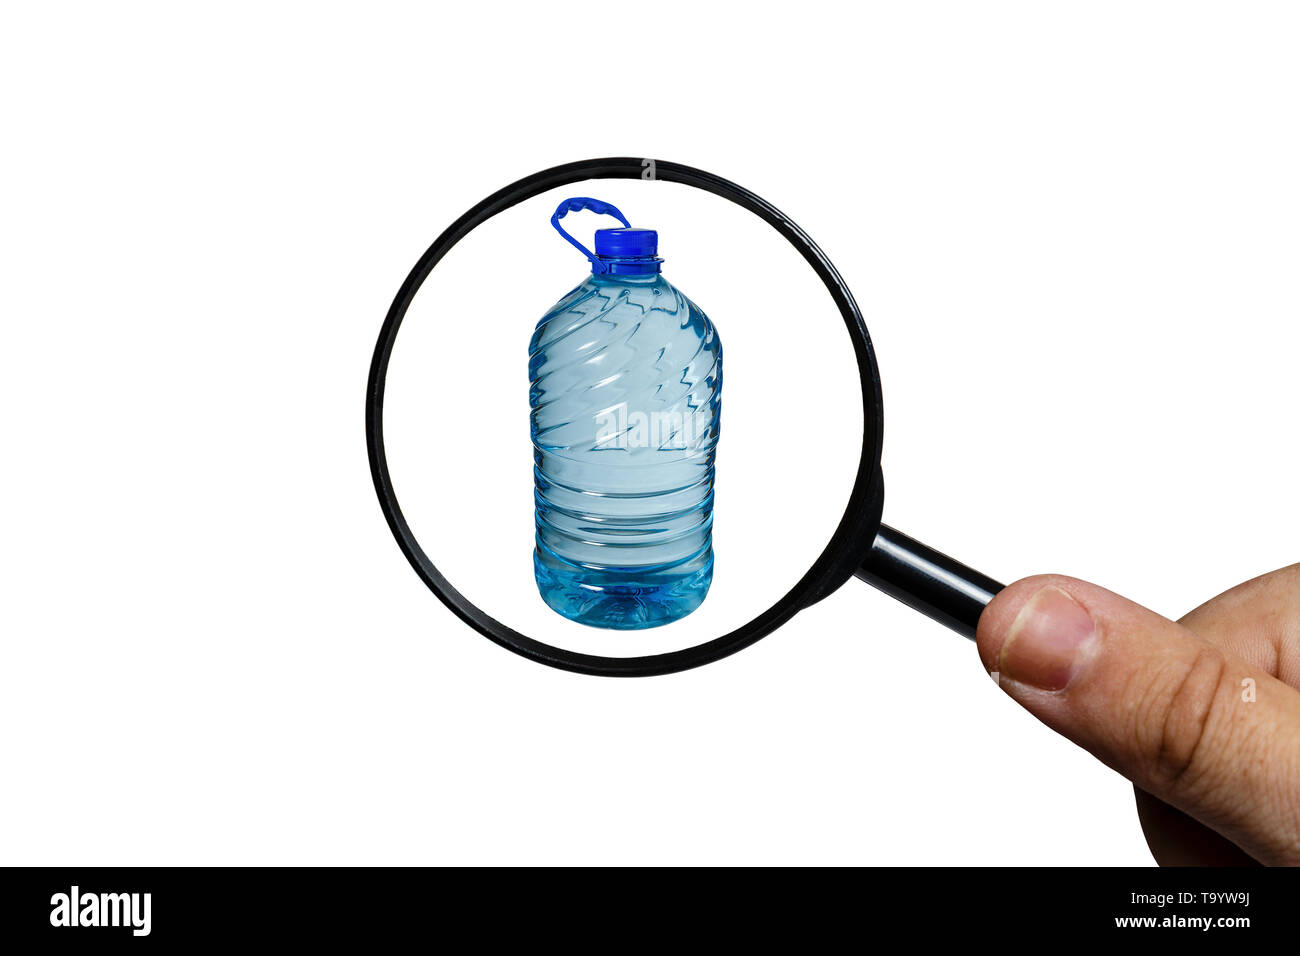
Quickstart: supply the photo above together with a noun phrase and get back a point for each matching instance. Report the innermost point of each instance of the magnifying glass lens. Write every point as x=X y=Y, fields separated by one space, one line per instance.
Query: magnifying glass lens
x=554 y=422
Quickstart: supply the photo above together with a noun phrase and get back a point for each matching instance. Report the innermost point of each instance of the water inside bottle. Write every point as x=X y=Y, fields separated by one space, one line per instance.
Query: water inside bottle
x=626 y=377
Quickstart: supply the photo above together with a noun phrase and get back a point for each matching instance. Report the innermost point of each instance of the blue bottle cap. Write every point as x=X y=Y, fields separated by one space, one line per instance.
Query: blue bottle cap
x=627 y=243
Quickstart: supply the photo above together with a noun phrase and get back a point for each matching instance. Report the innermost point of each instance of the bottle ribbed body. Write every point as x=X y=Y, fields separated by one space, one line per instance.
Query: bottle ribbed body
x=626 y=391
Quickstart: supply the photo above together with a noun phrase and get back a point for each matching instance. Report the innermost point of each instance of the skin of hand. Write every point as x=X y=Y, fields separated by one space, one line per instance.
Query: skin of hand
x=1202 y=714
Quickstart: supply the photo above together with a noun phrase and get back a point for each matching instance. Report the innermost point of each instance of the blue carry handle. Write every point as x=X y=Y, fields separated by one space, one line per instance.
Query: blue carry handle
x=577 y=204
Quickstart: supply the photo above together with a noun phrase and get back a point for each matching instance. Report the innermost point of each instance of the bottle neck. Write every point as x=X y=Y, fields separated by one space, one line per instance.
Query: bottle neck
x=624 y=278
x=626 y=266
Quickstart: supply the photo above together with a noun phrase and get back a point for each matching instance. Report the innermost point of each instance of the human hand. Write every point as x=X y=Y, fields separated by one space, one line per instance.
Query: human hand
x=1203 y=715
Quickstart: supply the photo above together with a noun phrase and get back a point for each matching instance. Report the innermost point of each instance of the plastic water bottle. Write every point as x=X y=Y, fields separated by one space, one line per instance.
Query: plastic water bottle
x=626 y=395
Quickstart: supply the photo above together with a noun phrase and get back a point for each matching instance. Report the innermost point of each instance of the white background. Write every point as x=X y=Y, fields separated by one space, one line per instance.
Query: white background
x=1072 y=229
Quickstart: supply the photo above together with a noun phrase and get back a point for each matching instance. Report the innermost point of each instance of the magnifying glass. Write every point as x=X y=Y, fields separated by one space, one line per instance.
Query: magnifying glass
x=793 y=356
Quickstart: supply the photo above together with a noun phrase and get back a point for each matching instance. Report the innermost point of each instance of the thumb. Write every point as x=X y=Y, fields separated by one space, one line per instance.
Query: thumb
x=1171 y=712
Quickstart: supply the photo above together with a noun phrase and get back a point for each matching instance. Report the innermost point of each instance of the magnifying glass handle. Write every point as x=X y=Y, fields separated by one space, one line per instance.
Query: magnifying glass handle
x=942 y=589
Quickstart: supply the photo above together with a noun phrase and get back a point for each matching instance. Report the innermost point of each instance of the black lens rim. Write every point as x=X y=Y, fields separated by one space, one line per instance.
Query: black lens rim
x=847 y=547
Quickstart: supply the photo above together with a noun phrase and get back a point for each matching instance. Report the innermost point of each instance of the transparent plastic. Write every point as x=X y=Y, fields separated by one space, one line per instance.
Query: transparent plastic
x=626 y=393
